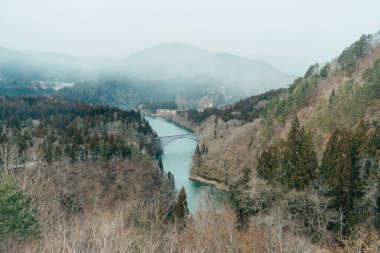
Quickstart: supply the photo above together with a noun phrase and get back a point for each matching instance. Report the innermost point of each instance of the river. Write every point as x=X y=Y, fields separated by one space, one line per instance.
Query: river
x=177 y=158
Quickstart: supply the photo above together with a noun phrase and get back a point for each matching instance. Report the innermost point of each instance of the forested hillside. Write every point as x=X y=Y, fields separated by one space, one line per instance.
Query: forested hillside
x=76 y=177
x=62 y=160
x=315 y=142
x=336 y=94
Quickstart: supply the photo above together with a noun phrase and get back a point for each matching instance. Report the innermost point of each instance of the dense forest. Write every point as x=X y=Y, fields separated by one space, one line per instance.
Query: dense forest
x=348 y=173
x=74 y=129
x=152 y=107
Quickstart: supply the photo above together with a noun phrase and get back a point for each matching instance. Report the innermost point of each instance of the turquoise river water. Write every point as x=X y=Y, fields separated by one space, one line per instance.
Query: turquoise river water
x=177 y=158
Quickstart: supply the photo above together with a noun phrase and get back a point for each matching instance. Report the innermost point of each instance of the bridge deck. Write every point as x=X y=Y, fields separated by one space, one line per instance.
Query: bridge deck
x=164 y=141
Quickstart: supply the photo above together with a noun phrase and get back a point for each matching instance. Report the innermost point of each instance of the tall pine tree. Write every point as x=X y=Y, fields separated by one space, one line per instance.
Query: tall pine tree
x=308 y=164
x=292 y=152
x=240 y=198
x=160 y=164
x=300 y=159
x=17 y=218
x=341 y=177
x=269 y=164
x=181 y=210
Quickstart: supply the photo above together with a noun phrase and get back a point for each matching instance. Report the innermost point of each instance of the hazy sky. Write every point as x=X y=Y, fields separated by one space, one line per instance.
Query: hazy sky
x=290 y=34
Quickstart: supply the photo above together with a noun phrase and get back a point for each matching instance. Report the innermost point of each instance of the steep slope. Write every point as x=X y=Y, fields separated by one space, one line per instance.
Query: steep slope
x=338 y=94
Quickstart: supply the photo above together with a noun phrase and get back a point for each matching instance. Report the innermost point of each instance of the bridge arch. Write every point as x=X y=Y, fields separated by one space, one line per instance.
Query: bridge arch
x=165 y=141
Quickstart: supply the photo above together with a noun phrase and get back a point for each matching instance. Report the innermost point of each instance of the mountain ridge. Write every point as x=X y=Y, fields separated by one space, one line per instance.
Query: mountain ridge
x=338 y=94
x=221 y=77
x=171 y=61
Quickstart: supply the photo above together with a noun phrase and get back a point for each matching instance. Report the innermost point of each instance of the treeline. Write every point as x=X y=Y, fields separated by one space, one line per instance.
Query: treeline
x=348 y=58
x=245 y=110
x=152 y=107
x=302 y=92
x=347 y=177
x=60 y=128
x=117 y=91
x=281 y=103
x=20 y=87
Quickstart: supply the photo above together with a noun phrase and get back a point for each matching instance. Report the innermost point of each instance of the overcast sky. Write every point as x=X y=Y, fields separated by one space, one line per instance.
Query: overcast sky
x=290 y=34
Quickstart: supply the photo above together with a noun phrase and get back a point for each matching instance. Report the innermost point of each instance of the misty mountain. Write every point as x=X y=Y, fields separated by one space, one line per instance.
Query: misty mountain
x=184 y=62
x=48 y=66
x=177 y=72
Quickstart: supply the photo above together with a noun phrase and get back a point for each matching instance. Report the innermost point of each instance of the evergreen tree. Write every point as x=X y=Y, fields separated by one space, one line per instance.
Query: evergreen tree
x=347 y=172
x=336 y=172
x=269 y=164
x=307 y=167
x=300 y=160
x=160 y=165
x=264 y=167
x=292 y=151
x=197 y=151
x=374 y=141
x=293 y=163
x=325 y=70
x=171 y=177
x=240 y=198
x=330 y=158
x=17 y=218
x=313 y=69
x=358 y=174
x=180 y=210
x=377 y=208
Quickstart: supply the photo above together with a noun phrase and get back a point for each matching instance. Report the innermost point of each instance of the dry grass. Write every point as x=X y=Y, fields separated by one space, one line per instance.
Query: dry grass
x=138 y=223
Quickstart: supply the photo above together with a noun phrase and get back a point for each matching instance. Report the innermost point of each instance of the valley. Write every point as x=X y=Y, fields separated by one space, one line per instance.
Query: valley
x=275 y=168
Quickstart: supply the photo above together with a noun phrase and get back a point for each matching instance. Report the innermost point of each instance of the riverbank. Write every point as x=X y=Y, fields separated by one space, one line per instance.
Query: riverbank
x=181 y=121
x=171 y=119
x=210 y=182
x=177 y=157
x=196 y=178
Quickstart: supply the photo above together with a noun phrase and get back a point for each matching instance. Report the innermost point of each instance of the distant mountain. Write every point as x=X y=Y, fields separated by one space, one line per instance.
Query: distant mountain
x=184 y=62
x=167 y=72
x=47 y=66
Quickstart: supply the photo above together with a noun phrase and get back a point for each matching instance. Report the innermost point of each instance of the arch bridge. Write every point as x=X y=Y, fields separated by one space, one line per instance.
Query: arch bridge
x=164 y=141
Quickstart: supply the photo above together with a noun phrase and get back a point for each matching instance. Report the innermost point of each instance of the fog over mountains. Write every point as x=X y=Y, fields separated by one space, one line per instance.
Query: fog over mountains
x=171 y=65
x=179 y=61
x=46 y=66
